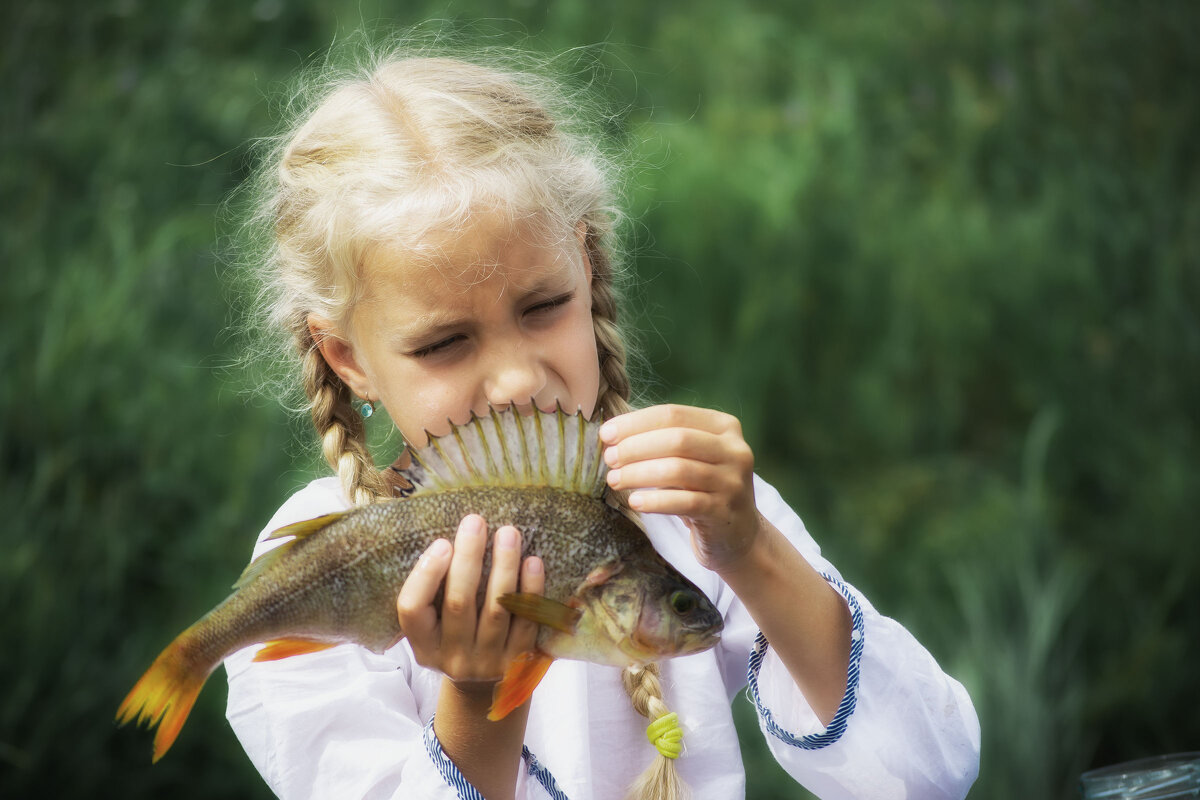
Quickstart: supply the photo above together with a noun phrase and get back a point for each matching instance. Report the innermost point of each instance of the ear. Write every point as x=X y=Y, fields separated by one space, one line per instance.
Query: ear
x=338 y=353
x=581 y=230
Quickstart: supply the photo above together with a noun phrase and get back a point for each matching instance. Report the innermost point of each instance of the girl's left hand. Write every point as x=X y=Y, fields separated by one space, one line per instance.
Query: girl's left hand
x=691 y=462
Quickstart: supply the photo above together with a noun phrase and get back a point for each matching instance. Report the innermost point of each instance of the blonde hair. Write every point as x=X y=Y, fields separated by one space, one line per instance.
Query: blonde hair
x=403 y=148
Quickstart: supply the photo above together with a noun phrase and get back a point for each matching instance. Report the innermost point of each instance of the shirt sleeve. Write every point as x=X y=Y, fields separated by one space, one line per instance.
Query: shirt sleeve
x=904 y=728
x=346 y=722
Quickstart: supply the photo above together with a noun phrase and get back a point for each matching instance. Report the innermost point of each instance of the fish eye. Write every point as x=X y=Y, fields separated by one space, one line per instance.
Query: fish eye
x=682 y=602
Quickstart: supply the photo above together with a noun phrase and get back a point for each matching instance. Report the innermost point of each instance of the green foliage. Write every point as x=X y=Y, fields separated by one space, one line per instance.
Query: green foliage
x=940 y=259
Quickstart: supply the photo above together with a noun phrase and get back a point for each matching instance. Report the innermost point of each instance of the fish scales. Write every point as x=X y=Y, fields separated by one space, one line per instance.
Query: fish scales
x=343 y=583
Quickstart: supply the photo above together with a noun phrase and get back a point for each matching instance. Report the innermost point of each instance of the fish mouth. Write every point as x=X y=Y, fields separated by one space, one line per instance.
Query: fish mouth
x=695 y=641
x=637 y=647
x=646 y=642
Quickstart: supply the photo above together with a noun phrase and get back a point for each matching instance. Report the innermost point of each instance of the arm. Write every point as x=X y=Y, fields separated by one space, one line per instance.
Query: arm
x=901 y=724
x=694 y=463
x=472 y=648
x=805 y=620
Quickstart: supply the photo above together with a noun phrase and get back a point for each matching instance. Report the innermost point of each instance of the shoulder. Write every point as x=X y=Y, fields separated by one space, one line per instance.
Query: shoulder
x=319 y=497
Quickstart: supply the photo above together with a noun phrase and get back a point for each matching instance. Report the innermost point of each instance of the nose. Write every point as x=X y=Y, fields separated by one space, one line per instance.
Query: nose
x=514 y=375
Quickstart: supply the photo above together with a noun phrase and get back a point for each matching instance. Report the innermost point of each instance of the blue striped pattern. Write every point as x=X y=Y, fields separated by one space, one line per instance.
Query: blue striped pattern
x=542 y=775
x=837 y=726
x=450 y=774
x=462 y=787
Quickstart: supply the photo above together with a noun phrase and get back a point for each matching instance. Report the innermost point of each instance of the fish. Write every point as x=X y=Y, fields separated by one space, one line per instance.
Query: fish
x=609 y=597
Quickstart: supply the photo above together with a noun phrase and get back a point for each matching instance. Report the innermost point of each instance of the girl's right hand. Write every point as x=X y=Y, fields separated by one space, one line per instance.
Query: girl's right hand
x=469 y=646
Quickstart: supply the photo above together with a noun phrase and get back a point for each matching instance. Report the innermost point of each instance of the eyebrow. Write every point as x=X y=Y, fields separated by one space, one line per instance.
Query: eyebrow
x=428 y=326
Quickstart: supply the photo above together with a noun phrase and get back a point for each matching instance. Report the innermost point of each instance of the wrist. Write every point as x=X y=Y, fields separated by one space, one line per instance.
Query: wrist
x=469 y=692
x=488 y=754
x=748 y=561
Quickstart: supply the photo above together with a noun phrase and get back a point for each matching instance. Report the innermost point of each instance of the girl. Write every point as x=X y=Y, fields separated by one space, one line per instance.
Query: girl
x=441 y=242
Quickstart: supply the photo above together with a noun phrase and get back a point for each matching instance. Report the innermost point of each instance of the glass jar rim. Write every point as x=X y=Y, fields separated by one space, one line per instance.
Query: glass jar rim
x=1173 y=775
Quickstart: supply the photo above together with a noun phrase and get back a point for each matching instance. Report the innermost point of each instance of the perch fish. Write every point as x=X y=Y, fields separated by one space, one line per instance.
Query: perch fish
x=609 y=597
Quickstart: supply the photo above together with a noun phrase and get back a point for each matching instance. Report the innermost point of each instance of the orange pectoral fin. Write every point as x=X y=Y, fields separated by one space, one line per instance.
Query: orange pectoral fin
x=542 y=610
x=286 y=648
x=520 y=679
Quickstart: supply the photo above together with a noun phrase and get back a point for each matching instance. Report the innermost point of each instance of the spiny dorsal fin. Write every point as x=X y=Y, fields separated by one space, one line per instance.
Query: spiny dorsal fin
x=298 y=531
x=505 y=448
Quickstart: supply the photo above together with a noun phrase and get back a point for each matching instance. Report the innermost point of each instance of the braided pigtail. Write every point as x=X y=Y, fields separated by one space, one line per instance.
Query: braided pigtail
x=613 y=397
x=661 y=779
x=343 y=435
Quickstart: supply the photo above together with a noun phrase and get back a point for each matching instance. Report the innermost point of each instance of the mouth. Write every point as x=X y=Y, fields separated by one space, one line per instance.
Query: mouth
x=526 y=409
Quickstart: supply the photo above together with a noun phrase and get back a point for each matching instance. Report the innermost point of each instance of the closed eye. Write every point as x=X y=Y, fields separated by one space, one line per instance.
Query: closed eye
x=551 y=304
x=438 y=347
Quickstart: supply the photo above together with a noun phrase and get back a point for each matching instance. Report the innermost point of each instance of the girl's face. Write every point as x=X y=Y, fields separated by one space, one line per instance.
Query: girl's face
x=499 y=317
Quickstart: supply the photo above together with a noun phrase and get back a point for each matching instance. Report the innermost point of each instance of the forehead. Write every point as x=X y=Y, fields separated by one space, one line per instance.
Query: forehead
x=491 y=256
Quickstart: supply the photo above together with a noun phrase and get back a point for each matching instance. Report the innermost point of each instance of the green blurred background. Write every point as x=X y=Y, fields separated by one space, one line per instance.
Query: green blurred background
x=942 y=259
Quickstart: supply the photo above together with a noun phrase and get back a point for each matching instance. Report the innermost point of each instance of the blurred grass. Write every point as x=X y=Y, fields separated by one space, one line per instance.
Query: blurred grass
x=941 y=259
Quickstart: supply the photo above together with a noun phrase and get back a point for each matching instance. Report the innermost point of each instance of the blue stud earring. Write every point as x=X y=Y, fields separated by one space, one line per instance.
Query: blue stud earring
x=367 y=409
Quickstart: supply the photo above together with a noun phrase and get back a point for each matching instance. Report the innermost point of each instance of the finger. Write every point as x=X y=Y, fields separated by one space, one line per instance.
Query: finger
x=462 y=582
x=678 y=502
x=678 y=473
x=522 y=633
x=506 y=566
x=415 y=611
x=688 y=443
x=667 y=416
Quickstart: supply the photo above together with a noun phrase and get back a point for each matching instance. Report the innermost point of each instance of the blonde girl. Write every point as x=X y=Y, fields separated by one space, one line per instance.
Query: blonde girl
x=442 y=242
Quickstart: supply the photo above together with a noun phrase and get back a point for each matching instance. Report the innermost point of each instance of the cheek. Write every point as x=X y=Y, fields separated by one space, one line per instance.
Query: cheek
x=580 y=363
x=428 y=410
x=418 y=401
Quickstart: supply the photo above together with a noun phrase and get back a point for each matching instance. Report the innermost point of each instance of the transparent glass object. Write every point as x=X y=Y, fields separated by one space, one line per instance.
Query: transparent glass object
x=1157 y=778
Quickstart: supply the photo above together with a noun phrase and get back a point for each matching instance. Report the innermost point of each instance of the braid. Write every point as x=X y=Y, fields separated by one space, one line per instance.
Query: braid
x=343 y=436
x=615 y=390
x=661 y=780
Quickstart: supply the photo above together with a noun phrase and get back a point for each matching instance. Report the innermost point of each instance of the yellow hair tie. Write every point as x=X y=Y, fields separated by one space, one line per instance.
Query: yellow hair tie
x=666 y=735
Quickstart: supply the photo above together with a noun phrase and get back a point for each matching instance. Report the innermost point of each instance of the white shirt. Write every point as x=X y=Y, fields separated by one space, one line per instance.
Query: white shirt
x=347 y=723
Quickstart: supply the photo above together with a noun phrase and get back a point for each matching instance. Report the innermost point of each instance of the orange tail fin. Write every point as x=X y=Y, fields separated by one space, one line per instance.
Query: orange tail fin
x=165 y=694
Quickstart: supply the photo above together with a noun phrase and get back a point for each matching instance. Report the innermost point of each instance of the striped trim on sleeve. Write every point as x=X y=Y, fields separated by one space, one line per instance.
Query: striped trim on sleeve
x=463 y=788
x=542 y=775
x=837 y=725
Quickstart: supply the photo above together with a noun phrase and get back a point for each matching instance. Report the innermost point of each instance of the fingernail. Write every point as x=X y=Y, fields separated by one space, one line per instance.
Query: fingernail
x=471 y=526
x=635 y=500
x=506 y=538
x=608 y=431
x=534 y=566
x=434 y=552
x=610 y=456
x=614 y=477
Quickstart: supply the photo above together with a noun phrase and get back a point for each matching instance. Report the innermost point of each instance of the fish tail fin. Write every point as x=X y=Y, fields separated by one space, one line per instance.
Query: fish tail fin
x=520 y=679
x=164 y=696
